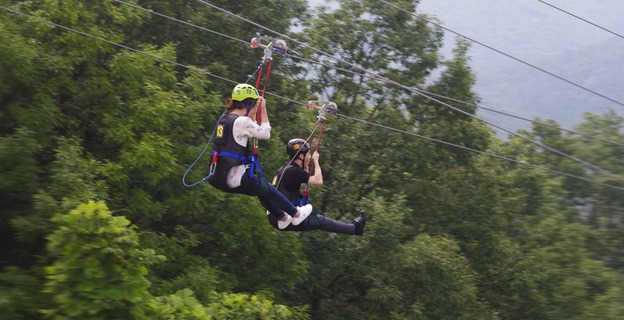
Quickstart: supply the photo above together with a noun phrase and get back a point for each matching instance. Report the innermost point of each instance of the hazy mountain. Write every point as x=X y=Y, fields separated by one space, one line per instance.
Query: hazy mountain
x=530 y=93
x=547 y=38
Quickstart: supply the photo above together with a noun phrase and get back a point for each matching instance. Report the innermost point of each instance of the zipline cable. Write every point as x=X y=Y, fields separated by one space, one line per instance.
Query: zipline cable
x=117 y=44
x=582 y=19
x=180 y=21
x=506 y=54
x=141 y=52
x=304 y=104
x=478 y=151
x=364 y=74
x=311 y=61
x=276 y=32
x=528 y=120
x=420 y=93
x=561 y=153
x=462 y=147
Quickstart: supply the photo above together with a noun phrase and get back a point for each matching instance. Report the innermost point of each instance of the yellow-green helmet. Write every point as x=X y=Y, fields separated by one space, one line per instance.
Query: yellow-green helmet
x=243 y=91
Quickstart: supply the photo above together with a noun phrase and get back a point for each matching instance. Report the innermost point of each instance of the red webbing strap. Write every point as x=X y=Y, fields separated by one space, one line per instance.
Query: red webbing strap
x=306 y=191
x=259 y=111
x=266 y=78
x=259 y=77
x=318 y=143
x=255 y=145
x=257 y=87
x=266 y=82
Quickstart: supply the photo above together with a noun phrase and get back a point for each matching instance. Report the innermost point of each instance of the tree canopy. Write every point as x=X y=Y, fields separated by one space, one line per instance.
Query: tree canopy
x=95 y=138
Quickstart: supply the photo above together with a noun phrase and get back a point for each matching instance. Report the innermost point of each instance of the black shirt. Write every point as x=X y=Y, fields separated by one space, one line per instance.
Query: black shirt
x=291 y=180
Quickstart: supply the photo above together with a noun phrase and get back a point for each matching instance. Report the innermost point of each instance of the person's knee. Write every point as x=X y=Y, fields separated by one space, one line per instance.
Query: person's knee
x=264 y=189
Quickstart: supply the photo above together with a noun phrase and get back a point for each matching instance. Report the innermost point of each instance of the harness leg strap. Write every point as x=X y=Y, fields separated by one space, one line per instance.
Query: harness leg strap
x=265 y=188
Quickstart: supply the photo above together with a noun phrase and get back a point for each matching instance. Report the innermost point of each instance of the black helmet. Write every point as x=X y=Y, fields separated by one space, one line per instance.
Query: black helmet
x=297 y=145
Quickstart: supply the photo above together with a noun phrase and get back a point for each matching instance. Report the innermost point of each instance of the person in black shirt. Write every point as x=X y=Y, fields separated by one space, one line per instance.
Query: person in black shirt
x=288 y=181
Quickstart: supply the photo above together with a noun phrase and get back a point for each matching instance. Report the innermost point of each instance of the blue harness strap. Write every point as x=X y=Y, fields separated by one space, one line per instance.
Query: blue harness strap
x=301 y=201
x=255 y=164
x=252 y=160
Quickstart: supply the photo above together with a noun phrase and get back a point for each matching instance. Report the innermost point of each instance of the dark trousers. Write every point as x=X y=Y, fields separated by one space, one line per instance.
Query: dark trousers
x=257 y=185
x=271 y=199
x=317 y=222
x=331 y=225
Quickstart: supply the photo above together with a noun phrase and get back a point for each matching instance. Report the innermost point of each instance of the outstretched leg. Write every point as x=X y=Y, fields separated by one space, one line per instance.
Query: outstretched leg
x=354 y=228
x=331 y=225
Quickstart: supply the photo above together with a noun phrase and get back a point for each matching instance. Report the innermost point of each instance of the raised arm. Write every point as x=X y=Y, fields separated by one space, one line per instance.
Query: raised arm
x=317 y=178
x=264 y=114
x=248 y=128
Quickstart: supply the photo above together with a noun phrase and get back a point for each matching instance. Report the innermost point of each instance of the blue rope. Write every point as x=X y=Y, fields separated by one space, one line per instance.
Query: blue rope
x=199 y=157
x=249 y=77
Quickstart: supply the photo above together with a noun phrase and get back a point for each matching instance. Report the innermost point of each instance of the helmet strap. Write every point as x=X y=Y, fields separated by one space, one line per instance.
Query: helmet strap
x=301 y=159
x=248 y=107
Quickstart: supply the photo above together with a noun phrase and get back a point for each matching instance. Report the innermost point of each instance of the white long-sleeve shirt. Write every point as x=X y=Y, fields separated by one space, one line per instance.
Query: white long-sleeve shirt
x=243 y=129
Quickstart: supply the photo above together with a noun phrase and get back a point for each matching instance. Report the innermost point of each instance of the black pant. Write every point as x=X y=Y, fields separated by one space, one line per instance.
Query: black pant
x=316 y=222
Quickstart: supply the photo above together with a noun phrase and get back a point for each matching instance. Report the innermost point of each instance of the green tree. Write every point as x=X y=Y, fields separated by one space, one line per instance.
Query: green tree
x=603 y=208
x=556 y=272
x=99 y=270
x=104 y=124
x=451 y=233
x=573 y=282
x=21 y=295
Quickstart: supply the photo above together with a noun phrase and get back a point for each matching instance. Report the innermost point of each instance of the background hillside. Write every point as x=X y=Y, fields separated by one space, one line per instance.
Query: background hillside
x=547 y=38
x=523 y=91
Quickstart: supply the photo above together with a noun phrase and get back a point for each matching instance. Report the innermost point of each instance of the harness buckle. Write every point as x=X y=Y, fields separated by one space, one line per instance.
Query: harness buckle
x=213 y=164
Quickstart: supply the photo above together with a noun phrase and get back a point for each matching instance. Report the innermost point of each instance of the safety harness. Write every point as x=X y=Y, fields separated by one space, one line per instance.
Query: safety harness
x=274 y=46
x=253 y=160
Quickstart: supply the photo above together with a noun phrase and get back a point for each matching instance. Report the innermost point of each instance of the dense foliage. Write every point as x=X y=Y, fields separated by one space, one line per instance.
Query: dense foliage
x=94 y=139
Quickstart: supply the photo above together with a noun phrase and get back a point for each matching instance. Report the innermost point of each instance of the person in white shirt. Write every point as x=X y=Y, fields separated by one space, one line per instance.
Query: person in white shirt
x=235 y=169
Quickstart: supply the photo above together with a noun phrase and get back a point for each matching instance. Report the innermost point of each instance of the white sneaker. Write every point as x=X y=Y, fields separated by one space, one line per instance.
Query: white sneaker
x=304 y=212
x=283 y=224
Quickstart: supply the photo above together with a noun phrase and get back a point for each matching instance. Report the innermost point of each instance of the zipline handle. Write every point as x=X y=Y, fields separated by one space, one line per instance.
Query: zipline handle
x=275 y=46
x=324 y=109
